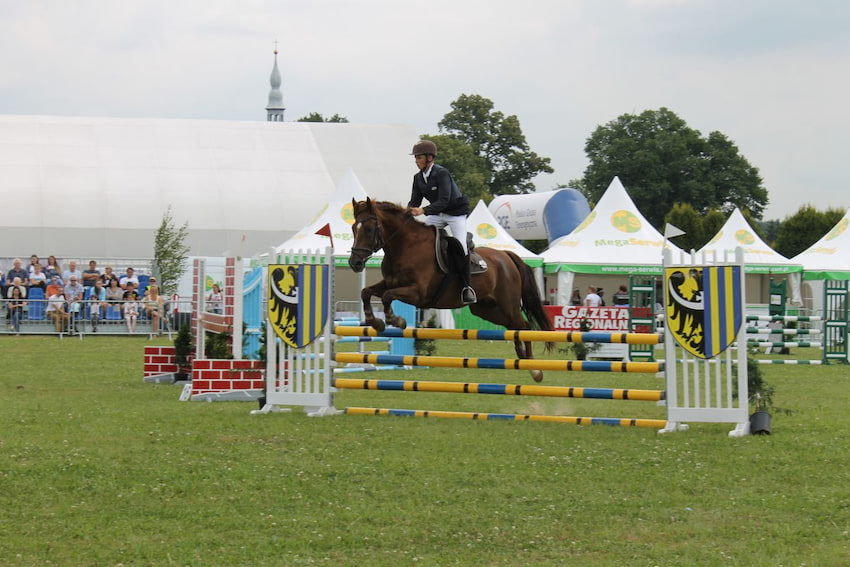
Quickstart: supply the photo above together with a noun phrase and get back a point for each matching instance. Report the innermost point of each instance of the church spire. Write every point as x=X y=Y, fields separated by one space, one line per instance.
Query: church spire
x=275 y=108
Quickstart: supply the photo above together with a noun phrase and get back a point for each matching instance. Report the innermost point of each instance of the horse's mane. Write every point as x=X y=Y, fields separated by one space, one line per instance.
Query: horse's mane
x=389 y=207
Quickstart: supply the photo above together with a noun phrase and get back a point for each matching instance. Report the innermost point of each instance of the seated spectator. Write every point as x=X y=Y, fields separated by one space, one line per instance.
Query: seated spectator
x=131 y=310
x=18 y=272
x=153 y=307
x=108 y=276
x=15 y=285
x=113 y=292
x=622 y=296
x=74 y=295
x=131 y=287
x=72 y=271
x=33 y=263
x=215 y=300
x=97 y=304
x=55 y=284
x=53 y=267
x=91 y=275
x=129 y=277
x=57 y=312
x=38 y=278
x=16 y=305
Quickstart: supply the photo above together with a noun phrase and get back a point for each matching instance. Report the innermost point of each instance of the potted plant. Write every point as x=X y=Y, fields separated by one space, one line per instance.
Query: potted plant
x=183 y=353
x=581 y=350
x=760 y=399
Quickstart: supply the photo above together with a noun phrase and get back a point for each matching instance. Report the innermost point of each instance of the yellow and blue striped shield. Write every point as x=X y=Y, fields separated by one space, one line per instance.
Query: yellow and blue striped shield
x=298 y=302
x=704 y=311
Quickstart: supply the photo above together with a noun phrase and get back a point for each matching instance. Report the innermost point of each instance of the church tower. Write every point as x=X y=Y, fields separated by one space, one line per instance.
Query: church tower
x=275 y=108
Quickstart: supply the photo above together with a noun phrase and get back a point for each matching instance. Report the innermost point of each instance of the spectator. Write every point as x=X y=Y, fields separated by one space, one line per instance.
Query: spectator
x=72 y=271
x=54 y=285
x=601 y=293
x=53 y=267
x=113 y=292
x=33 y=263
x=15 y=285
x=97 y=304
x=576 y=298
x=57 y=312
x=131 y=287
x=129 y=277
x=74 y=295
x=592 y=299
x=16 y=305
x=131 y=310
x=215 y=300
x=153 y=307
x=38 y=277
x=622 y=296
x=91 y=275
x=18 y=272
x=108 y=276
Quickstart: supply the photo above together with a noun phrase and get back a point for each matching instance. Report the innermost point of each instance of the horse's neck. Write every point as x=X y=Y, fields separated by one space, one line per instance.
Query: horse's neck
x=399 y=233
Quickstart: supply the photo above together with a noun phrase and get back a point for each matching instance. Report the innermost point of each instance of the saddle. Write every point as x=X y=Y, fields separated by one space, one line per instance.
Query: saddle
x=450 y=254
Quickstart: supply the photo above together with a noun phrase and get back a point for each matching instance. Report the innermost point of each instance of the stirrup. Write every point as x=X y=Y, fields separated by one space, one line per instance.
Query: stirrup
x=468 y=296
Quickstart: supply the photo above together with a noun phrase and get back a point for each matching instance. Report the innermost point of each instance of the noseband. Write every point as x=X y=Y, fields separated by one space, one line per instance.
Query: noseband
x=377 y=242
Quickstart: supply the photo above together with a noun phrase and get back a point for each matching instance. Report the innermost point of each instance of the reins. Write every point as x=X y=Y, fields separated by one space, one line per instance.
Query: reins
x=379 y=241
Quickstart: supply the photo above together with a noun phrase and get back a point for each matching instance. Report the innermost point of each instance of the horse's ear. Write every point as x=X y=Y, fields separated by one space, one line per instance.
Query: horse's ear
x=368 y=203
x=353 y=204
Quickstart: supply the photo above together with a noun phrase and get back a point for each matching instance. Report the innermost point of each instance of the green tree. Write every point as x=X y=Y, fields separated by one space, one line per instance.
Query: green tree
x=805 y=227
x=662 y=161
x=170 y=252
x=317 y=117
x=685 y=217
x=506 y=165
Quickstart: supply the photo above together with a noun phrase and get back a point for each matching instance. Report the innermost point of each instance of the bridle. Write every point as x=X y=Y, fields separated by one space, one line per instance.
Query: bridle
x=377 y=241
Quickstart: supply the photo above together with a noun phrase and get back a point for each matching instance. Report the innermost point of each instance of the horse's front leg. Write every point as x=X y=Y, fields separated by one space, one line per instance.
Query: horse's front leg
x=366 y=295
x=409 y=294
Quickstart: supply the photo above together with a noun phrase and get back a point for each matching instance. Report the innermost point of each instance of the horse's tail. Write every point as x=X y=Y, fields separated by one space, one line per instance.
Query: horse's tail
x=532 y=305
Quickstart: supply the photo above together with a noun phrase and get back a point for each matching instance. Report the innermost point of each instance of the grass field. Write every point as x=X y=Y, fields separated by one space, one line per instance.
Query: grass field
x=99 y=468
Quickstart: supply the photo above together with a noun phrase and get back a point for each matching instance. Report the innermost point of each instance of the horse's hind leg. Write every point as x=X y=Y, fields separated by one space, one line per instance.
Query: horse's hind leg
x=514 y=322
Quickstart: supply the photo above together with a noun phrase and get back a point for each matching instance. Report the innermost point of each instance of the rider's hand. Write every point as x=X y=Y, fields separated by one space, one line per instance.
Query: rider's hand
x=416 y=211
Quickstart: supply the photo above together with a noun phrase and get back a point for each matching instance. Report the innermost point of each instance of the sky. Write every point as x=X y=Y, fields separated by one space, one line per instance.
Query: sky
x=771 y=75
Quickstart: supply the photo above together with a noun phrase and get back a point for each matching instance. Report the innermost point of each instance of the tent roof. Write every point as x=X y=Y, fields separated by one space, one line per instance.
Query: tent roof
x=759 y=258
x=829 y=257
x=486 y=231
x=615 y=238
x=98 y=187
x=339 y=214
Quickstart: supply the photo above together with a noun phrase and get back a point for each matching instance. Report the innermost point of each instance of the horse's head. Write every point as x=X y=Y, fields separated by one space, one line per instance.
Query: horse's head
x=367 y=234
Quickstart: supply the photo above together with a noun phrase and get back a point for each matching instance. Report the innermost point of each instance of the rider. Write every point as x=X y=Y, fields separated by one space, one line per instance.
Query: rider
x=448 y=206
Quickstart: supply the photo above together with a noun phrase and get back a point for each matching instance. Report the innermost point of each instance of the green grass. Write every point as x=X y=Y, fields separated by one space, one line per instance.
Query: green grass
x=99 y=468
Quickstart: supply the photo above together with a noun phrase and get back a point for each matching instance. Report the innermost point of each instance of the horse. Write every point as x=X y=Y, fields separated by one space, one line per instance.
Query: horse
x=505 y=291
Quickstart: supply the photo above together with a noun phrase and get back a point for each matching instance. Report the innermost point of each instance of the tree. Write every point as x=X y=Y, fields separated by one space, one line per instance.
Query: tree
x=662 y=161
x=685 y=217
x=505 y=164
x=317 y=117
x=805 y=227
x=170 y=252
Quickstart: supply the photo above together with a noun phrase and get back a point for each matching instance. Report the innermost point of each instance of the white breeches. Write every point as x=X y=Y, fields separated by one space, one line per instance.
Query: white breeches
x=457 y=224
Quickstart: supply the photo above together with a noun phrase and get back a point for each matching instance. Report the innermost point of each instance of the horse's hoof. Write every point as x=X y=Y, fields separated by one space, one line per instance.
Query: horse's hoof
x=537 y=375
x=378 y=325
x=400 y=322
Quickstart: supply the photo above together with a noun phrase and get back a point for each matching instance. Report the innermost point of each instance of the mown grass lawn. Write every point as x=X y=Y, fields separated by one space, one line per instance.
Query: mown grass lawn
x=99 y=468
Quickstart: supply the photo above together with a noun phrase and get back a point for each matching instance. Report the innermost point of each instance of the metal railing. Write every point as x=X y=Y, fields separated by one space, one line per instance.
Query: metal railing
x=89 y=317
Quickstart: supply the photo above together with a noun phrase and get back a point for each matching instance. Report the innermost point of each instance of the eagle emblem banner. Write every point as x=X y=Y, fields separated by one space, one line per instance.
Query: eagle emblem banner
x=704 y=312
x=298 y=302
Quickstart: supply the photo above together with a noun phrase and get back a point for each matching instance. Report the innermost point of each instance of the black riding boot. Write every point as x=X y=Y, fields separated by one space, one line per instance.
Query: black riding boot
x=467 y=296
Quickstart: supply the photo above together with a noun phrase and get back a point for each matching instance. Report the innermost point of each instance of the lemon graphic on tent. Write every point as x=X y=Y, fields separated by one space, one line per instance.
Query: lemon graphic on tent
x=625 y=221
x=744 y=236
x=837 y=229
x=347 y=213
x=486 y=230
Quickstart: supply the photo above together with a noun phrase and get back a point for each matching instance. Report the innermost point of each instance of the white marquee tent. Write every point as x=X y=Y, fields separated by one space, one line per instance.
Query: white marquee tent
x=614 y=240
x=829 y=257
x=99 y=187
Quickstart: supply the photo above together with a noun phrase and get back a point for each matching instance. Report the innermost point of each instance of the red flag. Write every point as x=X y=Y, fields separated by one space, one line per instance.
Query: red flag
x=326 y=231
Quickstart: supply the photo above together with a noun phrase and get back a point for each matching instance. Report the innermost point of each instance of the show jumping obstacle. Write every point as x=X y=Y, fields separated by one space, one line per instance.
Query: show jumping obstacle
x=704 y=393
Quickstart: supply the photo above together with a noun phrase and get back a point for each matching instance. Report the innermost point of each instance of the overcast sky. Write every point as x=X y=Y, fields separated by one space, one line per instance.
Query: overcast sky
x=772 y=75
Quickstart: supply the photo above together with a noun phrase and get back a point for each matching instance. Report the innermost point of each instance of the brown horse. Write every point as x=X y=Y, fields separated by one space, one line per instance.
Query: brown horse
x=411 y=274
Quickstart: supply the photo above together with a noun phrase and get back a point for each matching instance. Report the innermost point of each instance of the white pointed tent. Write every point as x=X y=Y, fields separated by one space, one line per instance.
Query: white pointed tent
x=486 y=231
x=760 y=260
x=829 y=257
x=339 y=214
x=614 y=240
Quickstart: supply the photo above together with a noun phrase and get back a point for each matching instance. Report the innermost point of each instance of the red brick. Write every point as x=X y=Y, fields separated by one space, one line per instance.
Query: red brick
x=221 y=364
x=221 y=385
x=202 y=364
